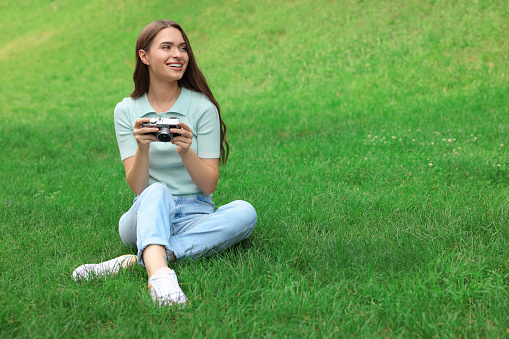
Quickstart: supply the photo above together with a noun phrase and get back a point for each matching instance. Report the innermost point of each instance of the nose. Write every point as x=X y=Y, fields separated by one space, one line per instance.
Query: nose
x=176 y=53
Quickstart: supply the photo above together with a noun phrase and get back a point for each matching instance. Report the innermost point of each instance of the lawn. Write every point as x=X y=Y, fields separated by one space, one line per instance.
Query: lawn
x=370 y=136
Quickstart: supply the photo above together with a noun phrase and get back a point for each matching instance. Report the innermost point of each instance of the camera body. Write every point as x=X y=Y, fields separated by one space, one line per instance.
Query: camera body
x=164 y=125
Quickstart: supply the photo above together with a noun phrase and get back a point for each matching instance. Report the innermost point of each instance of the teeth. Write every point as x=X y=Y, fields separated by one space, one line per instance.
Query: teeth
x=176 y=65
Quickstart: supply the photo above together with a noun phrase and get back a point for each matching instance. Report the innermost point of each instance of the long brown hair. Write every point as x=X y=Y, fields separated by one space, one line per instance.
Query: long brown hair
x=193 y=79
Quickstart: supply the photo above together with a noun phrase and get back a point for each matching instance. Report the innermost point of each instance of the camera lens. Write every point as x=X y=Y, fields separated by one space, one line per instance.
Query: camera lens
x=164 y=135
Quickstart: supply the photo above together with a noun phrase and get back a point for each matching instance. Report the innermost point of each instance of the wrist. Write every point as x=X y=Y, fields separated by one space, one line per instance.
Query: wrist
x=144 y=148
x=183 y=152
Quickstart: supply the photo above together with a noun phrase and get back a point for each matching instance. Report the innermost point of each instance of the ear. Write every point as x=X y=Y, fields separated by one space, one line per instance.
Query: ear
x=143 y=56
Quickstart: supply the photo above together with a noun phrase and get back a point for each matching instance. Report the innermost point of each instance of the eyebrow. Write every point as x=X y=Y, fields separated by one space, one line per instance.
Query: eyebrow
x=171 y=43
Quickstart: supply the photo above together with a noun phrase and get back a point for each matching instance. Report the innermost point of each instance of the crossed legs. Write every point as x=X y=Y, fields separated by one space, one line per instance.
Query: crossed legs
x=165 y=228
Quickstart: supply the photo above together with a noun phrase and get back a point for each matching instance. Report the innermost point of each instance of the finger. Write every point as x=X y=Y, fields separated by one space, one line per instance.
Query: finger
x=146 y=137
x=187 y=136
x=183 y=140
x=181 y=144
x=145 y=130
x=138 y=122
x=183 y=132
x=184 y=126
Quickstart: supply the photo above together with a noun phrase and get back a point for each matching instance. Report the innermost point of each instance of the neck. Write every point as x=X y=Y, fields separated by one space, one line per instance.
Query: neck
x=162 y=95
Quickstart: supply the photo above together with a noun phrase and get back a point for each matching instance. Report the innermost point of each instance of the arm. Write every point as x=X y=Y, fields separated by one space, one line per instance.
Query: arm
x=136 y=168
x=136 y=171
x=203 y=172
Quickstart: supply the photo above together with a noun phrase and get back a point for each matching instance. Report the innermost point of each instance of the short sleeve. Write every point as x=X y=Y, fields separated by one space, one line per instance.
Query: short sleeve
x=208 y=133
x=124 y=126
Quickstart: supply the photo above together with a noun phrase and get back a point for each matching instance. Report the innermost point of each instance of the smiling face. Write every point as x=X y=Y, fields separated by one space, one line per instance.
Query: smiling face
x=167 y=56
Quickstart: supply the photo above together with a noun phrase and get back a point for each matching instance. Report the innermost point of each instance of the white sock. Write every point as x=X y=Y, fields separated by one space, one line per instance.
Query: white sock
x=105 y=268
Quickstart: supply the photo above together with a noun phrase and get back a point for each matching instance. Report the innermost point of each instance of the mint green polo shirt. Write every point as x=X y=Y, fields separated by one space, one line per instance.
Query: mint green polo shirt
x=192 y=108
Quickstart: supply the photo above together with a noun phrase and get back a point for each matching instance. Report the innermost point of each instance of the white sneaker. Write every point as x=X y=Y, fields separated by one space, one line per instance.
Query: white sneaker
x=109 y=267
x=165 y=290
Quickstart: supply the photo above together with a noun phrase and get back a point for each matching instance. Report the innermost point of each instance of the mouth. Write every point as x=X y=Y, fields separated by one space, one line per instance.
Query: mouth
x=177 y=66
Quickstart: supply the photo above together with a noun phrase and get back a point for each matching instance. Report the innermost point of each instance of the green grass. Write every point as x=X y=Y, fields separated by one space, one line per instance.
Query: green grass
x=371 y=137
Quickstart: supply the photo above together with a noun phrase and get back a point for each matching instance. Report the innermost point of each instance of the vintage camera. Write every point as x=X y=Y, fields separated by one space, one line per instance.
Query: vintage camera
x=164 y=125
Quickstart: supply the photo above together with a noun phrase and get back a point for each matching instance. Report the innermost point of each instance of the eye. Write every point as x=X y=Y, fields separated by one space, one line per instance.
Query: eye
x=166 y=47
x=183 y=48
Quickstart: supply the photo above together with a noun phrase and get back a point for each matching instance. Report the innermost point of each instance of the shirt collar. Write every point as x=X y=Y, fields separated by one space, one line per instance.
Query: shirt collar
x=181 y=106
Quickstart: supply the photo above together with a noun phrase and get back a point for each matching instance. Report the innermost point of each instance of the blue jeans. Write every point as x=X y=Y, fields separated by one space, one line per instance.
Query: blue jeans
x=186 y=227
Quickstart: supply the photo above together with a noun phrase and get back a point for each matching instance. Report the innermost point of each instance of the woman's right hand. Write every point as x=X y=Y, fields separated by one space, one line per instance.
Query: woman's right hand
x=142 y=134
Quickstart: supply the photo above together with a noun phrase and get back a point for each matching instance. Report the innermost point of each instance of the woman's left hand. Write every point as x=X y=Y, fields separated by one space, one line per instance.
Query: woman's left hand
x=183 y=138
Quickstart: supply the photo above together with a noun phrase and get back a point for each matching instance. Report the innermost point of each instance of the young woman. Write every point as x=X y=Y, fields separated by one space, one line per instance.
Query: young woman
x=173 y=215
